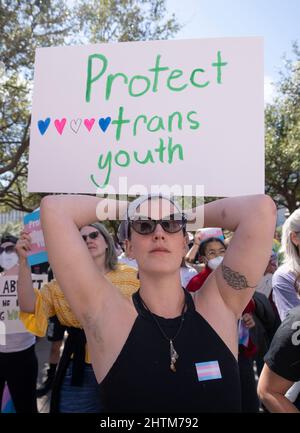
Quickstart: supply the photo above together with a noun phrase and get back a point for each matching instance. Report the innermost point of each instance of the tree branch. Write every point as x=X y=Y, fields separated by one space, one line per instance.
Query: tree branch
x=19 y=152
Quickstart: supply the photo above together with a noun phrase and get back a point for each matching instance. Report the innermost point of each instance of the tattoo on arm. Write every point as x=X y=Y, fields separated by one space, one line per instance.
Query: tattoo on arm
x=235 y=279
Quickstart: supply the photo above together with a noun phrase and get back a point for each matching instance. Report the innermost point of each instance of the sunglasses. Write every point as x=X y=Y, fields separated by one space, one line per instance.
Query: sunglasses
x=92 y=236
x=8 y=249
x=147 y=226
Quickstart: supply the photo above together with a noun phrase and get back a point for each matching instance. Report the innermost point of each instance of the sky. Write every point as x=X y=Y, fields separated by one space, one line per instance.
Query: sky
x=277 y=21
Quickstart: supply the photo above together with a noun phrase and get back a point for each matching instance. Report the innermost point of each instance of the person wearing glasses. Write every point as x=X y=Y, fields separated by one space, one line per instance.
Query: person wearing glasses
x=75 y=387
x=167 y=343
x=211 y=251
x=277 y=392
x=18 y=361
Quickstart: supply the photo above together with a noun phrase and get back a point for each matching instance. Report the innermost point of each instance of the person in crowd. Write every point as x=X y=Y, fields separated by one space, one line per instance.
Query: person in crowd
x=282 y=366
x=166 y=339
x=265 y=284
x=75 y=387
x=286 y=280
x=211 y=251
x=55 y=335
x=265 y=315
x=18 y=361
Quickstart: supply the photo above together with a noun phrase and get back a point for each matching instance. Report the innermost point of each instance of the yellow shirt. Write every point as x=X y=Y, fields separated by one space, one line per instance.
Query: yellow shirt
x=50 y=301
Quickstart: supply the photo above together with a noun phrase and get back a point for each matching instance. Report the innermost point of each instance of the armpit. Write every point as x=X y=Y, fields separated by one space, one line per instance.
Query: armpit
x=234 y=279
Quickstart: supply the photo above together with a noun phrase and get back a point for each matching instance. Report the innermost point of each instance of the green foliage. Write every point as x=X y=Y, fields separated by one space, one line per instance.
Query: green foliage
x=28 y=24
x=25 y=25
x=282 y=136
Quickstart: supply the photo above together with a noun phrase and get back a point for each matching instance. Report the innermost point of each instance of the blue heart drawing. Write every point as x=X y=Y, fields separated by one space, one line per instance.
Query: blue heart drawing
x=43 y=125
x=104 y=123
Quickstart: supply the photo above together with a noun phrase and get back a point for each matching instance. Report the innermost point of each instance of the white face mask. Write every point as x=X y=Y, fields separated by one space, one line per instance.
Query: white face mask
x=214 y=263
x=8 y=260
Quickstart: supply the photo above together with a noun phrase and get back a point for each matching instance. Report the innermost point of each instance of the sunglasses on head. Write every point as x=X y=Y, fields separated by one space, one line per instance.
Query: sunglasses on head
x=8 y=249
x=92 y=235
x=145 y=226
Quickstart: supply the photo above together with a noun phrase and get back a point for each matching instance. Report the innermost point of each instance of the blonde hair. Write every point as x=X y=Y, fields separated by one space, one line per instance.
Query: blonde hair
x=290 y=250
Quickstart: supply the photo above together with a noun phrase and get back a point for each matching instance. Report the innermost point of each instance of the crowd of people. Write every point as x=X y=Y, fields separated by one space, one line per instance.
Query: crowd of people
x=160 y=312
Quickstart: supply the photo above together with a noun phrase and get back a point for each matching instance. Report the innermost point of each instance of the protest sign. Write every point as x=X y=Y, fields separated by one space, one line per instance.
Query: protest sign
x=9 y=306
x=38 y=253
x=211 y=232
x=110 y=117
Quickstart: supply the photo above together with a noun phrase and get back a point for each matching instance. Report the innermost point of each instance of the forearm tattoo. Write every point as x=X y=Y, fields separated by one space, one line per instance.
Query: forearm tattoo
x=235 y=279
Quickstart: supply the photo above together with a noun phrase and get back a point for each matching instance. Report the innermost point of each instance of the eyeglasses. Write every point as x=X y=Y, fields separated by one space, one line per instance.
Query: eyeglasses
x=147 y=226
x=92 y=235
x=8 y=249
x=213 y=254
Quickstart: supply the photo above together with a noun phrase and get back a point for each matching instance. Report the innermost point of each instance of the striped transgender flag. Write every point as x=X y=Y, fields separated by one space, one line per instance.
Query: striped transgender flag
x=208 y=370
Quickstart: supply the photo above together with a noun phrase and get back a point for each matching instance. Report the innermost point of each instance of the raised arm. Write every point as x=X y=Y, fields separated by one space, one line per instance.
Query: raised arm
x=190 y=257
x=85 y=288
x=252 y=219
x=26 y=295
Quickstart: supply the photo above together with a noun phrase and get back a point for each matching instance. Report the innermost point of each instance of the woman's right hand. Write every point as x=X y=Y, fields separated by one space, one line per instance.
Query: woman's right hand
x=23 y=245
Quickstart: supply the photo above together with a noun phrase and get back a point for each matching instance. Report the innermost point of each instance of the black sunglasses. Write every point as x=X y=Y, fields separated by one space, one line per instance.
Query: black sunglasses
x=146 y=226
x=92 y=235
x=8 y=249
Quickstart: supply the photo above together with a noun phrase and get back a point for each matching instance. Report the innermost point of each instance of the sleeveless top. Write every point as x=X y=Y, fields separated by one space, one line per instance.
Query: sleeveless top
x=140 y=380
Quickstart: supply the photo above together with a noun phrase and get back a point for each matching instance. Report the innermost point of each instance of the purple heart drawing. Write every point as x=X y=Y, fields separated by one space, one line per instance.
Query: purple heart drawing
x=43 y=125
x=104 y=123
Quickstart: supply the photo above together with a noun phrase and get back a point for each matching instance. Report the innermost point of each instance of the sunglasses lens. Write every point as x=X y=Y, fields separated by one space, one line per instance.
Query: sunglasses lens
x=93 y=235
x=143 y=227
x=172 y=226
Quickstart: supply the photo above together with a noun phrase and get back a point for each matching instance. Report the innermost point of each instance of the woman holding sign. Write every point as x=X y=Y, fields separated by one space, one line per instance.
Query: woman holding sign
x=75 y=387
x=18 y=362
x=167 y=340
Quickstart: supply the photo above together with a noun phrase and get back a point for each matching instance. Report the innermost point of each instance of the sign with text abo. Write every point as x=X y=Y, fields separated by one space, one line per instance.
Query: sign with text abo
x=180 y=112
x=9 y=306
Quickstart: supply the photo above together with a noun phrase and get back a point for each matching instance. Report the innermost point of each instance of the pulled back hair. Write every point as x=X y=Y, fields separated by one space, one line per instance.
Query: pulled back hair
x=203 y=245
x=290 y=250
x=111 y=259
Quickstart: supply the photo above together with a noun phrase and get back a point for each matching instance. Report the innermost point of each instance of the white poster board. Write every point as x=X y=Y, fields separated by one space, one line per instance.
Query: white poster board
x=9 y=306
x=187 y=112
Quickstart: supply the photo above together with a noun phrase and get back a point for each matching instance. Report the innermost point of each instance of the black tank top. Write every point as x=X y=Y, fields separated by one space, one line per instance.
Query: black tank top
x=140 y=380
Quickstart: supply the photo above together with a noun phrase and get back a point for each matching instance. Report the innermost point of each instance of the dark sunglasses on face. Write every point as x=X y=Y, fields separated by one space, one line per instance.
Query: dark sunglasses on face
x=8 y=249
x=92 y=235
x=146 y=226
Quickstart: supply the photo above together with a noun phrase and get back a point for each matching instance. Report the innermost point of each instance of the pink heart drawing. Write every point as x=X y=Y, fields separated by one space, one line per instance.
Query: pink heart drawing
x=75 y=125
x=59 y=125
x=88 y=123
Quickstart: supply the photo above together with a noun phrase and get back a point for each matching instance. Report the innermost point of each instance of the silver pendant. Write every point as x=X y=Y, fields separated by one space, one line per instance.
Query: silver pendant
x=174 y=356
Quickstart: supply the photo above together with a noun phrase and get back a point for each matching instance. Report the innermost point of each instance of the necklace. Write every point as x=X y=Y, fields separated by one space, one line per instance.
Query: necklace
x=173 y=354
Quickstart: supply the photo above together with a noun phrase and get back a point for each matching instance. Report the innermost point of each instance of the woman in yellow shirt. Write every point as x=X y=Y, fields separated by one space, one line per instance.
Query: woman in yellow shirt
x=75 y=388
